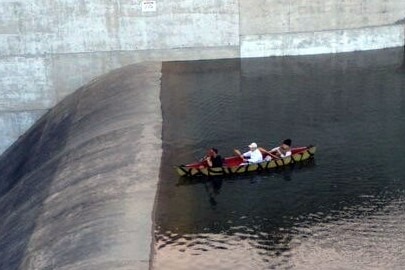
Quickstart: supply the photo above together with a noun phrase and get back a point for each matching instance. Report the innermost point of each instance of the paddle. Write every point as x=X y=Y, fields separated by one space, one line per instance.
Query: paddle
x=203 y=157
x=267 y=152
x=206 y=159
x=237 y=152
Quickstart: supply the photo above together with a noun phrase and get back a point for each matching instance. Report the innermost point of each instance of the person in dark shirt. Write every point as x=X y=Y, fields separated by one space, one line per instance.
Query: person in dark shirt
x=214 y=160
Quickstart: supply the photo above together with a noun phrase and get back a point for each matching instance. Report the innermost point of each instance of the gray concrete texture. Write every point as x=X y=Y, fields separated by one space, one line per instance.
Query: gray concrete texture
x=77 y=190
x=50 y=48
x=300 y=16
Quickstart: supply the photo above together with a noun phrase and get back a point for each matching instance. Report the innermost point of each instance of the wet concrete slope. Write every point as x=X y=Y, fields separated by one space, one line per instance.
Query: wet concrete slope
x=77 y=190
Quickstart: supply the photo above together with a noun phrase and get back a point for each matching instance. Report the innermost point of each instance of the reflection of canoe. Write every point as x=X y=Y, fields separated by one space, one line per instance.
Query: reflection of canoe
x=233 y=165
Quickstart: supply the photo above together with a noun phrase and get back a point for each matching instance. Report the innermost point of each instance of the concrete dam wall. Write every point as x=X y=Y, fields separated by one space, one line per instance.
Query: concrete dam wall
x=77 y=190
x=50 y=48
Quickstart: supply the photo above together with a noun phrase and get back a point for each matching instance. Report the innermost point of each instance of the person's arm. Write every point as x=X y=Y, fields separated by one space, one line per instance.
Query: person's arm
x=209 y=161
x=263 y=150
x=268 y=152
x=277 y=151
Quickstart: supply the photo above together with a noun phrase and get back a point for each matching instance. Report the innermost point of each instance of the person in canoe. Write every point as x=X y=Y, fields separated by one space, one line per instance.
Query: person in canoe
x=282 y=151
x=252 y=156
x=213 y=159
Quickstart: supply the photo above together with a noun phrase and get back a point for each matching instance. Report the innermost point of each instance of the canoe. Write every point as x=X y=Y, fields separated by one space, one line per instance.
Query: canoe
x=233 y=165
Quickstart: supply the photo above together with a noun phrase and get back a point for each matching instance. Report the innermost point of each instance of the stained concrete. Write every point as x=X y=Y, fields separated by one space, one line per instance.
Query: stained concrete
x=77 y=190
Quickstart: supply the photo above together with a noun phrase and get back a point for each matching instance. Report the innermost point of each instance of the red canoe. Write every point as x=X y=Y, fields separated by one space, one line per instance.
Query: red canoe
x=233 y=164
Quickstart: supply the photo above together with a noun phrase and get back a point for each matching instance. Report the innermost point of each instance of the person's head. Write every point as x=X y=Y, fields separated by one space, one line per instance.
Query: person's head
x=286 y=144
x=253 y=146
x=213 y=152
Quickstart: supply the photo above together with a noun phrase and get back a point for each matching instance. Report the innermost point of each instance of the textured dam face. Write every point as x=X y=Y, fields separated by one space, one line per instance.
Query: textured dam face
x=77 y=190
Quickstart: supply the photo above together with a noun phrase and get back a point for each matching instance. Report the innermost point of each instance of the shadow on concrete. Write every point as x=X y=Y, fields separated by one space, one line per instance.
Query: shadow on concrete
x=77 y=190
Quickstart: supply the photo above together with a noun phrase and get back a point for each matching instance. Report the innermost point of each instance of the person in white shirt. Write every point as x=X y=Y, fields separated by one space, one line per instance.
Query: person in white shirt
x=252 y=156
x=282 y=151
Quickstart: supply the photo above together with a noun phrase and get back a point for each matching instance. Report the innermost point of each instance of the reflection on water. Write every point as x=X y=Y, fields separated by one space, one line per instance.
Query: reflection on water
x=366 y=236
x=344 y=212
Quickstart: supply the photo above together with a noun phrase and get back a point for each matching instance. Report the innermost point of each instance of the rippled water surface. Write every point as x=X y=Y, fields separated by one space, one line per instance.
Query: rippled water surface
x=344 y=210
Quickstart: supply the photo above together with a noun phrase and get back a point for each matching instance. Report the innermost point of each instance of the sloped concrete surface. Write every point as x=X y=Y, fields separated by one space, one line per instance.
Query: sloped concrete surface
x=77 y=190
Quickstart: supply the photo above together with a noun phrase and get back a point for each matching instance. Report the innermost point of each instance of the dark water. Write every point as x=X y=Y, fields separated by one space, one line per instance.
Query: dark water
x=345 y=210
